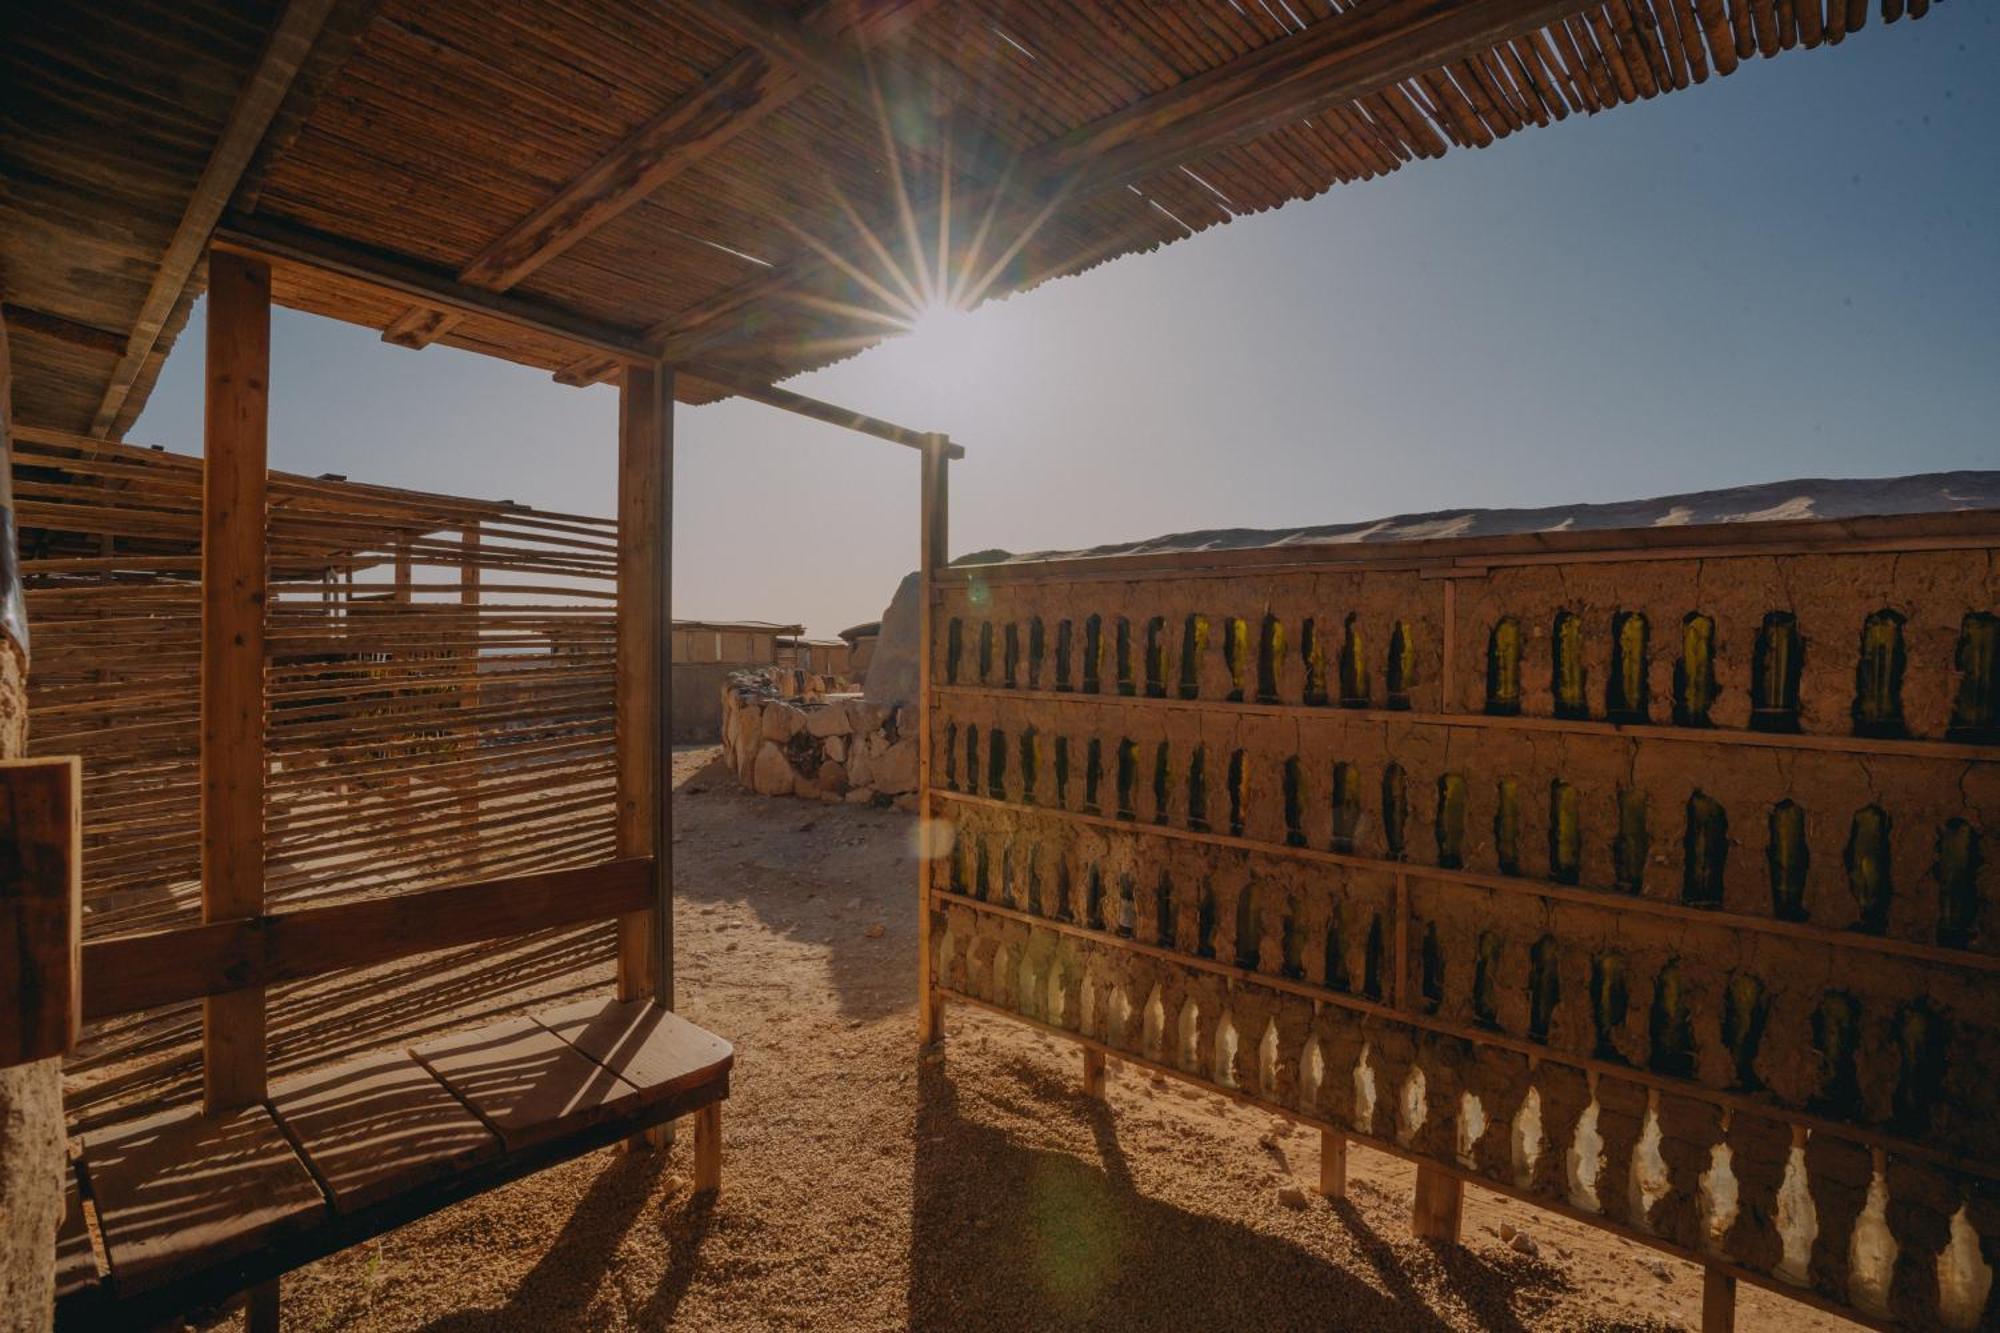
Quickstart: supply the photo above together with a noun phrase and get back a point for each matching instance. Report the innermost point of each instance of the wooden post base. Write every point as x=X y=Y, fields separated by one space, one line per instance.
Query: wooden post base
x=1093 y=1073
x=260 y=1308
x=1440 y=1200
x=1718 y=1301
x=1332 y=1164
x=930 y=1019
x=708 y=1149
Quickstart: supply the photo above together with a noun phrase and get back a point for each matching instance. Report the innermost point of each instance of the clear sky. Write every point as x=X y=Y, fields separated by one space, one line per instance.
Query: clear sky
x=1794 y=271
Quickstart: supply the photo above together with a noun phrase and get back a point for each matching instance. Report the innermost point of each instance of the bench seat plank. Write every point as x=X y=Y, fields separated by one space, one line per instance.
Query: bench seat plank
x=378 y=1126
x=653 y=1049
x=182 y=1189
x=526 y=1082
x=76 y=1261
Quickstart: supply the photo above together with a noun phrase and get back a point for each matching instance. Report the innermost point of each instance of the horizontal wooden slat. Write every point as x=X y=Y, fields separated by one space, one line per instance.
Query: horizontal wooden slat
x=133 y=972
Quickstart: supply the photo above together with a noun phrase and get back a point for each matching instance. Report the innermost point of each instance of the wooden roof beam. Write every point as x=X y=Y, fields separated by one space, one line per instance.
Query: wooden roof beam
x=786 y=400
x=734 y=99
x=283 y=244
x=1337 y=60
x=290 y=43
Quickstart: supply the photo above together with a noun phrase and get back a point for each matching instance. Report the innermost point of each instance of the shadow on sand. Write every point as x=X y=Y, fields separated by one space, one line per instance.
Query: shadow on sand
x=1008 y=1236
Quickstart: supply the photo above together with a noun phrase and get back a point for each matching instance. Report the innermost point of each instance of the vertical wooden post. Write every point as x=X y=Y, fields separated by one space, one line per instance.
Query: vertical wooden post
x=232 y=655
x=233 y=588
x=1093 y=1073
x=1718 y=1301
x=708 y=1148
x=468 y=697
x=645 y=508
x=933 y=538
x=1440 y=1200
x=1332 y=1164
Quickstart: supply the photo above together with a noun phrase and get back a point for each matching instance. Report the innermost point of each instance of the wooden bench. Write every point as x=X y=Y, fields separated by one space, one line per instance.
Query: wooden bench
x=194 y=1208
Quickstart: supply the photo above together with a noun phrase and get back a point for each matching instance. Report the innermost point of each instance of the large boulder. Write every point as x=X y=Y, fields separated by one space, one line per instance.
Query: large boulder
x=895 y=770
x=831 y=720
x=772 y=775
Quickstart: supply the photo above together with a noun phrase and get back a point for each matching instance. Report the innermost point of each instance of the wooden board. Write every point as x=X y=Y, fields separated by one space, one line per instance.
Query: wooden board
x=182 y=1188
x=655 y=1050
x=41 y=907
x=378 y=1126
x=76 y=1261
x=525 y=1082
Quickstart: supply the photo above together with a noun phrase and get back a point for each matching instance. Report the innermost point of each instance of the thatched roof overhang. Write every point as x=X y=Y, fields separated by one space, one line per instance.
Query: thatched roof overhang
x=747 y=188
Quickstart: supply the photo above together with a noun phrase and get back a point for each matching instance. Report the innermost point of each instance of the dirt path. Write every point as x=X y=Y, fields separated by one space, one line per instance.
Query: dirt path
x=864 y=1189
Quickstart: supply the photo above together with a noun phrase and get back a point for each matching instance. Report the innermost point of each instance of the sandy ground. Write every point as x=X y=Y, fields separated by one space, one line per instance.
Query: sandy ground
x=864 y=1188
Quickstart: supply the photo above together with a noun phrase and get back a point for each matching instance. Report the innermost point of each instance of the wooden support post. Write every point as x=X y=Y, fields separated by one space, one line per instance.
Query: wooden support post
x=232 y=656
x=1093 y=1073
x=708 y=1148
x=1718 y=1301
x=468 y=698
x=933 y=538
x=645 y=508
x=1332 y=1164
x=1439 y=1202
x=41 y=907
x=233 y=577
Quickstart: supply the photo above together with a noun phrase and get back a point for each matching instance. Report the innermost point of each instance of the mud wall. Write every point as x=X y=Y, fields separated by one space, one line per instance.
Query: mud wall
x=1651 y=883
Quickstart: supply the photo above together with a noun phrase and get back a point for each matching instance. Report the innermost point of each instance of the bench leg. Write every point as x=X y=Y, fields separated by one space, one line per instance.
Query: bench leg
x=260 y=1308
x=1093 y=1073
x=708 y=1148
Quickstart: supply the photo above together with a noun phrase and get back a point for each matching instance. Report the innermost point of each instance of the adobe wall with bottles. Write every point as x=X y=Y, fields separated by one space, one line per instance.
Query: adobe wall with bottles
x=1644 y=875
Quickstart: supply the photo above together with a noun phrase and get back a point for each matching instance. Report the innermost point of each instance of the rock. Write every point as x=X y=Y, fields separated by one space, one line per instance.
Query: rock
x=833 y=777
x=1658 y=1268
x=773 y=775
x=835 y=748
x=780 y=721
x=896 y=770
x=1292 y=1197
x=1525 y=1244
x=860 y=795
x=1508 y=1231
x=828 y=721
x=907 y=802
x=875 y=930
x=860 y=764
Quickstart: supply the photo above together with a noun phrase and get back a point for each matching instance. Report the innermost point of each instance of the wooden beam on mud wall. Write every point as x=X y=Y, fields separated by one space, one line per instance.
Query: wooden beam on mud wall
x=291 y=42
x=645 y=619
x=41 y=906
x=234 y=510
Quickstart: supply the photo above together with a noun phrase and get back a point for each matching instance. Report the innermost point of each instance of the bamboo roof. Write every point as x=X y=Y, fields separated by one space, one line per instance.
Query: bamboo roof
x=748 y=187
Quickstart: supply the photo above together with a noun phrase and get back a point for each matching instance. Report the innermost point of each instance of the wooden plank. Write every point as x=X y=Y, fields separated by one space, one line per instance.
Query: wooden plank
x=183 y=1188
x=645 y=468
x=744 y=386
x=1332 y=1164
x=128 y=973
x=933 y=545
x=708 y=1149
x=1440 y=1199
x=291 y=42
x=529 y=1085
x=234 y=506
x=1093 y=1074
x=378 y=1126
x=652 y=1048
x=76 y=1259
x=287 y=245
x=41 y=906
x=1718 y=1300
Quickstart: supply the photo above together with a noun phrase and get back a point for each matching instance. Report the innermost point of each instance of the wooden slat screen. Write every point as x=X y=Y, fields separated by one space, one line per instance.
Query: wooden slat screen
x=1651 y=884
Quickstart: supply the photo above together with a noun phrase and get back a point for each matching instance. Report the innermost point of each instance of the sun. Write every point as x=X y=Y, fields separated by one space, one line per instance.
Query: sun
x=943 y=342
x=939 y=323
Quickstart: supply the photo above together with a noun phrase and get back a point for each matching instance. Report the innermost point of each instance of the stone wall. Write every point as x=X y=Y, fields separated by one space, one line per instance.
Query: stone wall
x=842 y=748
